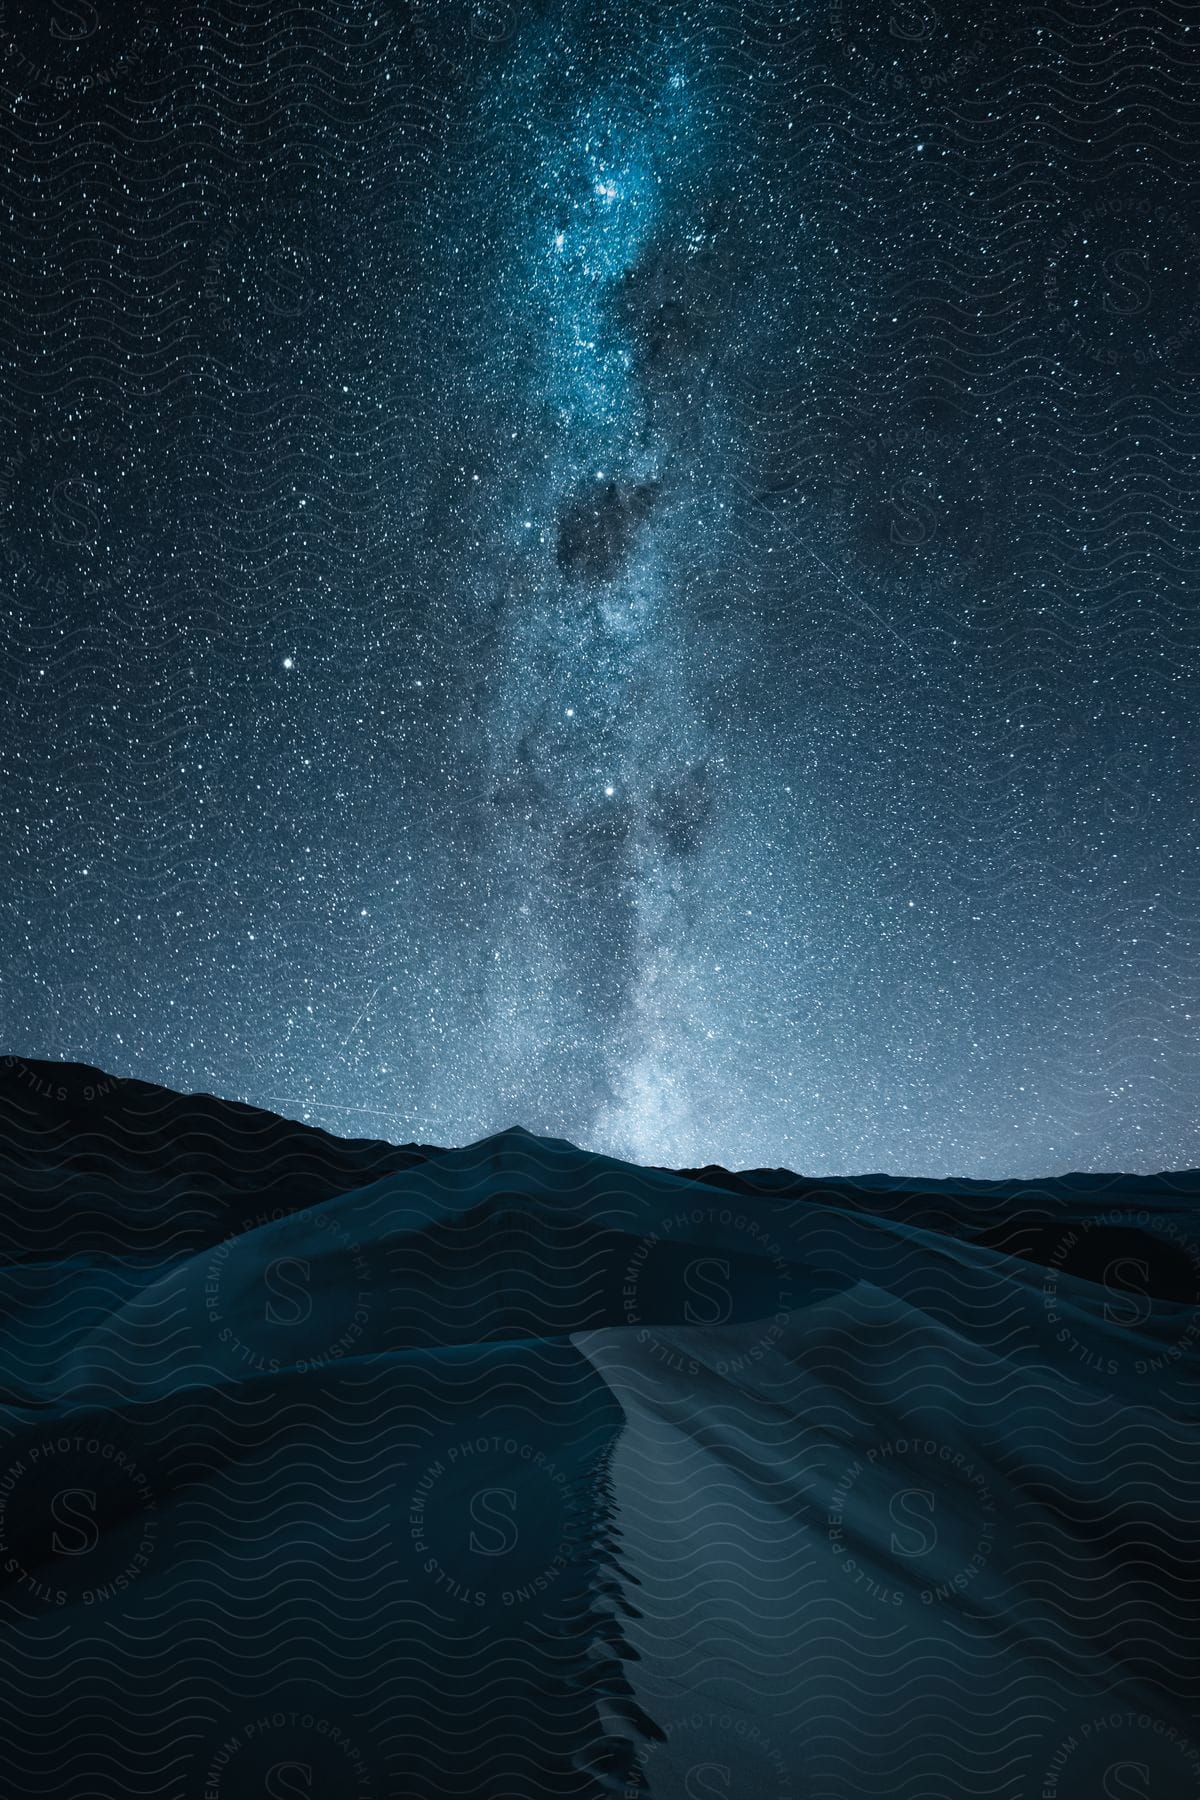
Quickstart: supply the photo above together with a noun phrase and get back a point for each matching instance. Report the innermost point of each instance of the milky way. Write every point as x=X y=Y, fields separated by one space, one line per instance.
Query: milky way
x=603 y=755
x=627 y=568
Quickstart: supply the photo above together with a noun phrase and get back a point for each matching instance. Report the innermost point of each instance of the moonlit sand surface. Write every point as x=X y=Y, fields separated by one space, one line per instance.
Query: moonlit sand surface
x=598 y=634
x=515 y=1469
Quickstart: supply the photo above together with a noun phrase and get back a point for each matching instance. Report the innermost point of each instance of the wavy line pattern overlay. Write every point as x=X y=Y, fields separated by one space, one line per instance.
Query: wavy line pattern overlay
x=628 y=565
x=624 y=565
x=334 y=1467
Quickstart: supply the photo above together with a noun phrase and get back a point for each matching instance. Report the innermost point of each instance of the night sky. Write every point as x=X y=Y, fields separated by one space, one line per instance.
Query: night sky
x=627 y=568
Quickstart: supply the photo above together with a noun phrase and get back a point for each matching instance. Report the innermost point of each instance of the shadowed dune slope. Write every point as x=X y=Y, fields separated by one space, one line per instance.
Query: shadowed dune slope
x=335 y=1467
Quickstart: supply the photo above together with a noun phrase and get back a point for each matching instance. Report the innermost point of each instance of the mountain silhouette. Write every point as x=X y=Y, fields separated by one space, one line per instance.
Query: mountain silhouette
x=334 y=1466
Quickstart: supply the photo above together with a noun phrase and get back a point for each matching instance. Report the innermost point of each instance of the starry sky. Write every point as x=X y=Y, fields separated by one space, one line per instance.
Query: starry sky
x=625 y=567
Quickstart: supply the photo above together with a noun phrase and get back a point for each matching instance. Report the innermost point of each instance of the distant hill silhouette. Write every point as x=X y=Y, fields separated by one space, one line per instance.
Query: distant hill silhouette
x=332 y=1466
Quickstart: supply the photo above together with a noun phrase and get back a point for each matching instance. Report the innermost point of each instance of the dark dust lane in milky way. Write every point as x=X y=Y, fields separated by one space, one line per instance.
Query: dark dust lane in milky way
x=622 y=566
x=603 y=593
